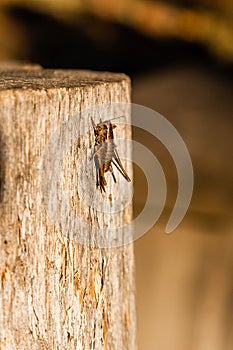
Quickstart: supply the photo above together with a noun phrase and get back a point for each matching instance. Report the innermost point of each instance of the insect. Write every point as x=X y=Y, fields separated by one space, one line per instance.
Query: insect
x=105 y=153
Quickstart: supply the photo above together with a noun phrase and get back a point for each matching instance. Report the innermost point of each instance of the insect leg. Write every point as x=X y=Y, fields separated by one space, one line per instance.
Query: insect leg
x=117 y=162
x=103 y=182
x=100 y=179
x=97 y=171
x=112 y=172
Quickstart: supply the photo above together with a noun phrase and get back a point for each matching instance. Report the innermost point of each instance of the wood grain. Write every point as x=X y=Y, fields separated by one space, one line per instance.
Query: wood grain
x=56 y=293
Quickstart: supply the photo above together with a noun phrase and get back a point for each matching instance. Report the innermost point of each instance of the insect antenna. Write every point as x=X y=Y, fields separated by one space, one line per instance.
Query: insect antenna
x=106 y=121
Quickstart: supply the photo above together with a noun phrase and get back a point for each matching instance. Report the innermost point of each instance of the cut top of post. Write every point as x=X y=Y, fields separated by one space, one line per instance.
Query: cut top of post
x=47 y=78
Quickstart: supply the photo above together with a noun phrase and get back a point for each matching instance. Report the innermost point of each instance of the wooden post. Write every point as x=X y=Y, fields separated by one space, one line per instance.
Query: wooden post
x=55 y=291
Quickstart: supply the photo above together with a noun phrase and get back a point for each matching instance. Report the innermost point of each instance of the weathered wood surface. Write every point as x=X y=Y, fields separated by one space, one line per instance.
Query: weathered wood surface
x=56 y=293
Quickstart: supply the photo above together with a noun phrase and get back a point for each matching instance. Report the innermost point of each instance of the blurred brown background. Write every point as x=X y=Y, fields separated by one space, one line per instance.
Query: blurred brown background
x=179 y=54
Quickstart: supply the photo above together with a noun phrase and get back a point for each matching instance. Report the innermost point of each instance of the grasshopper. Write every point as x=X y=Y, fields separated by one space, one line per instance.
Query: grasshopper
x=105 y=153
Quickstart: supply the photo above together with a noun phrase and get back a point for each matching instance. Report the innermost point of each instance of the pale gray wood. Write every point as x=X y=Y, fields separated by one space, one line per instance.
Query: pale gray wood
x=56 y=293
